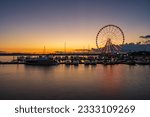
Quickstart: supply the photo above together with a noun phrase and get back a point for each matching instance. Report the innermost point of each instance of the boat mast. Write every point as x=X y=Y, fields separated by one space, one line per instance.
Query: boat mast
x=44 y=51
x=65 y=47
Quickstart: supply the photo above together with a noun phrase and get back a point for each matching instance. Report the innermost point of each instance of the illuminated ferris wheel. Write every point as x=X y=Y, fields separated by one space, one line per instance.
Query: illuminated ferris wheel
x=109 y=39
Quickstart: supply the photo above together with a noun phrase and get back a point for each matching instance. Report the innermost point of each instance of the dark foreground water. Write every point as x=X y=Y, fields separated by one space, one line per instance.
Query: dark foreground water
x=75 y=82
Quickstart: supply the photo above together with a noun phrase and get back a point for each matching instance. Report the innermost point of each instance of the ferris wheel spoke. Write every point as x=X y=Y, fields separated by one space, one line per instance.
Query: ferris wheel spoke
x=103 y=41
x=110 y=39
x=109 y=29
x=112 y=29
x=102 y=44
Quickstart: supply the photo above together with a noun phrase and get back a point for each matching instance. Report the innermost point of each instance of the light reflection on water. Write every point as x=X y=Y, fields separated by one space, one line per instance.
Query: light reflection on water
x=74 y=82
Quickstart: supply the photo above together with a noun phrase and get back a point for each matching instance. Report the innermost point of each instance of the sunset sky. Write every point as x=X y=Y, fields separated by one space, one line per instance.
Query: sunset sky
x=27 y=25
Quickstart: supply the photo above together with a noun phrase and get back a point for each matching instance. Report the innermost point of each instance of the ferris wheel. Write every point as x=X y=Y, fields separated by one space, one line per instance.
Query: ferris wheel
x=109 y=39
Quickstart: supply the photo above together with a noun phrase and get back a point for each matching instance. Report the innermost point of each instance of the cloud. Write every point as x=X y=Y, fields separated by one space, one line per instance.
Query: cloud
x=147 y=42
x=145 y=37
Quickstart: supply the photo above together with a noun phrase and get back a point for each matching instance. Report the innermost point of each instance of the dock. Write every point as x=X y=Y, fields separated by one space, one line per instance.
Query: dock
x=84 y=58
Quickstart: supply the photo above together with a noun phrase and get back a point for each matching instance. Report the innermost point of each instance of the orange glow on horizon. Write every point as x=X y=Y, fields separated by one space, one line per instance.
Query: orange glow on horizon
x=33 y=41
x=38 y=50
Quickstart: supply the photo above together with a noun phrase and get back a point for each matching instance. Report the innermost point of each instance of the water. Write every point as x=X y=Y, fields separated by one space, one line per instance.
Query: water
x=75 y=82
x=7 y=58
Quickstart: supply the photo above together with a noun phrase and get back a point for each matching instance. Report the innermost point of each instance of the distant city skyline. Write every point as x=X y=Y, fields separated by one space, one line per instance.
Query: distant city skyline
x=29 y=25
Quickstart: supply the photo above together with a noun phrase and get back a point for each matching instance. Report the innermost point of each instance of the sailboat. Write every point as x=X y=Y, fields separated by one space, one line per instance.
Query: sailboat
x=41 y=60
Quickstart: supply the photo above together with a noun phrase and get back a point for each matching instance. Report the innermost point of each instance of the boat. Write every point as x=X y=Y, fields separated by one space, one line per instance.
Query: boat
x=131 y=62
x=108 y=63
x=41 y=60
x=87 y=62
x=68 y=62
x=142 y=62
x=93 y=62
x=75 y=62
x=20 y=59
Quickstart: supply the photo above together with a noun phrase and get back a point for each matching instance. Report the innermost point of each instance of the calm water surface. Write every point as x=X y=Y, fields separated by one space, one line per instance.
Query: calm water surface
x=74 y=82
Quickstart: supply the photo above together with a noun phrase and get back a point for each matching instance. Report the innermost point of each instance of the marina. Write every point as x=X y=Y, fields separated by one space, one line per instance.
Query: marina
x=75 y=59
x=93 y=50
